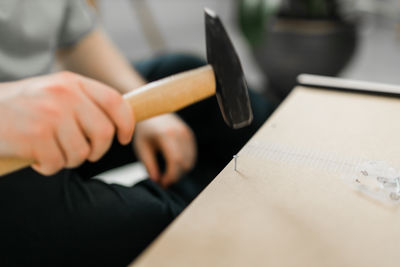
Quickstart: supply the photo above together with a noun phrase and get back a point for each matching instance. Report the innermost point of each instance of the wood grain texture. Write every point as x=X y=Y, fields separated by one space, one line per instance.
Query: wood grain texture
x=276 y=214
x=163 y=96
x=172 y=93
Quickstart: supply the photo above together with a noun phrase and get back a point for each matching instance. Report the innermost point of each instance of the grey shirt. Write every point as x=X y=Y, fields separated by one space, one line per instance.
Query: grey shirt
x=32 y=30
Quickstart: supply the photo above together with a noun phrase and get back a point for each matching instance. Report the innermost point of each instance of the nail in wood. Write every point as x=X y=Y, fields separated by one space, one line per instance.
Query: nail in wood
x=235 y=162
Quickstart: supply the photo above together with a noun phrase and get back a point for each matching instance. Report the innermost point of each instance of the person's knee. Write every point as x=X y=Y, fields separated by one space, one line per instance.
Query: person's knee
x=262 y=109
x=151 y=210
x=181 y=62
x=168 y=64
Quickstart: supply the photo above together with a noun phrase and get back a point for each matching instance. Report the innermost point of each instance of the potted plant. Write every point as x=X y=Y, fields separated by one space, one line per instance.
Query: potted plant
x=289 y=37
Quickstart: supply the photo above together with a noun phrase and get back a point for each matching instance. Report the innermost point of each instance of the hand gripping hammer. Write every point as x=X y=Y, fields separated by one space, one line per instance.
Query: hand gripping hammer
x=223 y=77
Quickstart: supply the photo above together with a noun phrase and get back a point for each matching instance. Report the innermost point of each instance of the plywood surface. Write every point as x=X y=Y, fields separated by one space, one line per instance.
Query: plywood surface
x=272 y=213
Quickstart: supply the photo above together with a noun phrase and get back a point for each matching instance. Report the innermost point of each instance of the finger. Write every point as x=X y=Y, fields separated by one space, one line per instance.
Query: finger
x=147 y=155
x=172 y=175
x=97 y=128
x=189 y=148
x=73 y=143
x=113 y=106
x=171 y=153
x=48 y=156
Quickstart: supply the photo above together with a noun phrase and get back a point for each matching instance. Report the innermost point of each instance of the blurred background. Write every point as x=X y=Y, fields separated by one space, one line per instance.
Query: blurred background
x=275 y=39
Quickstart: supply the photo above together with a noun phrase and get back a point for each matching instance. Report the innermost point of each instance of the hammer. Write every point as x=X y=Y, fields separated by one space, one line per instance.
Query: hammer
x=223 y=77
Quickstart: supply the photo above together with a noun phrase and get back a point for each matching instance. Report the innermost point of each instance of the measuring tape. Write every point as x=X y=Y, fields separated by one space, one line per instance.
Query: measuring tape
x=376 y=179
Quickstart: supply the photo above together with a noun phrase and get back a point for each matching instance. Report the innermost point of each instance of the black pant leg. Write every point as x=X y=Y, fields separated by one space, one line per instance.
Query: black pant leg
x=64 y=220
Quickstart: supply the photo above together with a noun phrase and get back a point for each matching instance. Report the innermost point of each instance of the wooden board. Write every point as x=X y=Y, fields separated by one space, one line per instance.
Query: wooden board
x=272 y=213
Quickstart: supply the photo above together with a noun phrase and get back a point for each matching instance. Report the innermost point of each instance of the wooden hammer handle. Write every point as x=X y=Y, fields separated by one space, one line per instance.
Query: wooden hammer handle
x=163 y=96
x=172 y=93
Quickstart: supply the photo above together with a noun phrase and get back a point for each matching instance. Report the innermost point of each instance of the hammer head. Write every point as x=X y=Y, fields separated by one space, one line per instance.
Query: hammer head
x=232 y=93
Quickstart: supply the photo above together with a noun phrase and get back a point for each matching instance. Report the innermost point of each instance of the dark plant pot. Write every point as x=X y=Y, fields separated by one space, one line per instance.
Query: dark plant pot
x=294 y=46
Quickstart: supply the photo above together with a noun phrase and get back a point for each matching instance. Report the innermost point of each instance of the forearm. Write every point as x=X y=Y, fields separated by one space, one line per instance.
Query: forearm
x=97 y=57
x=6 y=87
